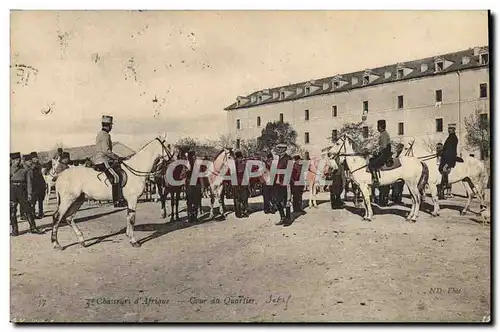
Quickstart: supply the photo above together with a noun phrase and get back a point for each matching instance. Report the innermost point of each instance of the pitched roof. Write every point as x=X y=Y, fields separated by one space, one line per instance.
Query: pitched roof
x=87 y=151
x=456 y=64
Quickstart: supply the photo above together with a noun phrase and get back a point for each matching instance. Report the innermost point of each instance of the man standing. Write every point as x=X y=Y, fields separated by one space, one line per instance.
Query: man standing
x=384 y=152
x=240 y=191
x=297 y=188
x=448 y=156
x=337 y=176
x=193 y=190
x=105 y=158
x=267 y=189
x=281 y=188
x=21 y=192
x=39 y=185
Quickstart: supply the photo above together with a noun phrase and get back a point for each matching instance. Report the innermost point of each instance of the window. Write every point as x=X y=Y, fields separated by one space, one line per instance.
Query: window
x=365 y=132
x=306 y=138
x=400 y=102
x=334 y=135
x=238 y=124
x=400 y=74
x=334 y=111
x=439 y=66
x=336 y=84
x=238 y=143
x=484 y=59
x=439 y=96
x=366 y=79
x=365 y=106
x=258 y=121
x=281 y=117
x=307 y=90
x=306 y=115
x=483 y=121
x=260 y=99
x=282 y=95
x=483 y=90
x=401 y=128
x=439 y=125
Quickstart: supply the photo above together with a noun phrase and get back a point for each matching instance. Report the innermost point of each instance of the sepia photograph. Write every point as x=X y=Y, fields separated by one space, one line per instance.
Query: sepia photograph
x=243 y=166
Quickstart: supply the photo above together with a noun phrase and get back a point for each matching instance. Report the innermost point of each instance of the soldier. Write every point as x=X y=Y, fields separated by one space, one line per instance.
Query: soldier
x=280 y=188
x=240 y=191
x=193 y=191
x=58 y=155
x=267 y=189
x=26 y=164
x=337 y=176
x=448 y=156
x=397 y=188
x=105 y=159
x=297 y=189
x=383 y=154
x=39 y=185
x=21 y=192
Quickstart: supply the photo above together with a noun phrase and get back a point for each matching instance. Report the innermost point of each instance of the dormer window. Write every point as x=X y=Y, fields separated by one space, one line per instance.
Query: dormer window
x=336 y=84
x=439 y=66
x=484 y=59
x=400 y=74
x=282 y=95
x=260 y=99
x=423 y=67
x=307 y=90
x=465 y=60
x=366 y=80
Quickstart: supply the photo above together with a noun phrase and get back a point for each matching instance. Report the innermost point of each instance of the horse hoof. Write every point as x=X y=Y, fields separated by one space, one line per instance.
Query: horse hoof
x=163 y=215
x=434 y=214
x=82 y=244
x=58 y=247
x=413 y=220
x=463 y=213
x=135 y=244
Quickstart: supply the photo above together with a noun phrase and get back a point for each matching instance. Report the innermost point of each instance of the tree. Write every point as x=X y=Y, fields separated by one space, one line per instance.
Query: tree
x=277 y=132
x=430 y=144
x=186 y=143
x=356 y=132
x=250 y=147
x=223 y=141
x=477 y=127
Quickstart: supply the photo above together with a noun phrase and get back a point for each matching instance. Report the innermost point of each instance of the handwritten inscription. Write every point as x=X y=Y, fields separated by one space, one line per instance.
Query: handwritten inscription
x=142 y=300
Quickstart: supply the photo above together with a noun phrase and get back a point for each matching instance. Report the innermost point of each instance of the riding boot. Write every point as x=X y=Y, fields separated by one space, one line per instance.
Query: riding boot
x=288 y=218
x=40 y=208
x=282 y=215
x=31 y=221
x=13 y=220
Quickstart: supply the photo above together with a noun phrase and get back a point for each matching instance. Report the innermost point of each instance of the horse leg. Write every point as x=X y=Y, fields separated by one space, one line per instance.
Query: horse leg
x=177 y=199
x=365 y=191
x=479 y=191
x=435 y=199
x=163 y=197
x=132 y=204
x=70 y=216
x=412 y=188
x=212 y=202
x=470 y=195
x=58 y=216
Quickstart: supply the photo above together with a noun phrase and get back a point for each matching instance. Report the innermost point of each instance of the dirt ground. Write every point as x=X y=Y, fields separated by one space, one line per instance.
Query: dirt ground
x=328 y=266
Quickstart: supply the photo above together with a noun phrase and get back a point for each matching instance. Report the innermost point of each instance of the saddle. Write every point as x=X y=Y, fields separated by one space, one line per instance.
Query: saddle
x=122 y=175
x=390 y=164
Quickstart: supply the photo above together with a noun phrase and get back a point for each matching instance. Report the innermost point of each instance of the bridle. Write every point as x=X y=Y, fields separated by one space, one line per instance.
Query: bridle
x=226 y=157
x=343 y=147
x=165 y=152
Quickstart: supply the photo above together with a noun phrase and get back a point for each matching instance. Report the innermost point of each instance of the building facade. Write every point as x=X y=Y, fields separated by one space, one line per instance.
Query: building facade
x=418 y=99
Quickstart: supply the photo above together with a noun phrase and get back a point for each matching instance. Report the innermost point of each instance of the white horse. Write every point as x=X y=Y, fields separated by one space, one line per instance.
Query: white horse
x=215 y=185
x=471 y=172
x=317 y=170
x=412 y=171
x=74 y=184
x=48 y=175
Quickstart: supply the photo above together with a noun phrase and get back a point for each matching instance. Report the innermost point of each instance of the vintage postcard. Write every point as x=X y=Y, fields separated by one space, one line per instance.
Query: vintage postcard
x=250 y=166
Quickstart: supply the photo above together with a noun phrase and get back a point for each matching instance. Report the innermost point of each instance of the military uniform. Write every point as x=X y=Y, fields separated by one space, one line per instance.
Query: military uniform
x=240 y=192
x=193 y=192
x=448 y=155
x=338 y=183
x=39 y=185
x=267 y=189
x=21 y=191
x=397 y=188
x=384 y=153
x=297 y=189
x=105 y=158
x=280 y=188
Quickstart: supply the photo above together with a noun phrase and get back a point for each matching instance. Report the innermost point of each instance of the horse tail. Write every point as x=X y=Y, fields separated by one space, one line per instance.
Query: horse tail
x=424 y=178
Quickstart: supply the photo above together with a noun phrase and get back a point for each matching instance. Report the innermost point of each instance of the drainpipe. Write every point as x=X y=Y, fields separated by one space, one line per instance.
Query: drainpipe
x=459 y=115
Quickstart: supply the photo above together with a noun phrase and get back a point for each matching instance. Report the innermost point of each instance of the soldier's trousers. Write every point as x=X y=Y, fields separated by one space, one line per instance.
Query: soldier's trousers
x=38 y=200
x=280 y=195
x=397 y=192
x=297 y=192
x=18 y=195
x=193 y=197
x=240 y=196
x=268 y=195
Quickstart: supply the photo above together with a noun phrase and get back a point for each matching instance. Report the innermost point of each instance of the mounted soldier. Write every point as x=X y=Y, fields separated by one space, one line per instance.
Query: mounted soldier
x=39 y=185
x=106 y=161
x=21 y=192
x=281 y=189
x=384 y=153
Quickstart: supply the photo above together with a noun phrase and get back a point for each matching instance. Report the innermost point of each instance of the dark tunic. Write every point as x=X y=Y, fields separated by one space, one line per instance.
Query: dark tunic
x=449 y=153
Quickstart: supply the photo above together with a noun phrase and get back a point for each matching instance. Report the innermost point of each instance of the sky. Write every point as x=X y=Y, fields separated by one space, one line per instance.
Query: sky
x=175 y=72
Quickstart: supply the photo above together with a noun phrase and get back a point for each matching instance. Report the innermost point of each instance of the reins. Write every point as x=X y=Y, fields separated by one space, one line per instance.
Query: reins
x=149 y=173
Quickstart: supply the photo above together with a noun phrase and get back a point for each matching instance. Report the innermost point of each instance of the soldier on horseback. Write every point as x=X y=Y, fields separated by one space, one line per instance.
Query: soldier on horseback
x=105 y=160
x=384 y=153
x=448 y=155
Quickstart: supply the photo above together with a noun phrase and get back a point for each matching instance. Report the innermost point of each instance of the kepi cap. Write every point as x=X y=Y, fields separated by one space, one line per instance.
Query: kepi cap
x=107 y=119
x=34 y=154
x=15 y=155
